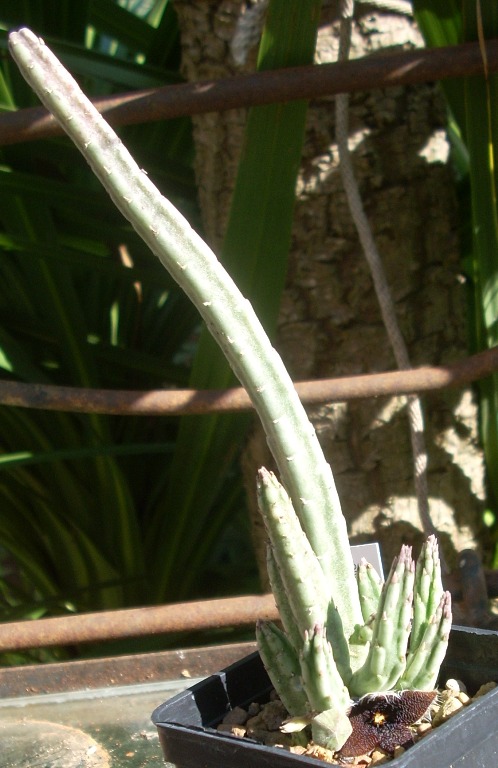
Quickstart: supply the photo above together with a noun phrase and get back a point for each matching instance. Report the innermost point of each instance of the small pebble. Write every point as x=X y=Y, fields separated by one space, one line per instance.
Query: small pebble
x=486 y=688
x=236 y=716
x=235 y=730
x=321 y=753
x=274 y=695
x=449 y=708
x=423 y=728
x=274 y=739
x=272 y=715
x=455 y=685
x=298 y=750
x=185 y=673
x=379 y=757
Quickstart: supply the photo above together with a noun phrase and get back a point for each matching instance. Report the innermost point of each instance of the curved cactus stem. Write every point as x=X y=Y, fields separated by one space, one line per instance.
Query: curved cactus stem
x=369 y=589
x=282 y=664
x=423 y=665
x=230 y=318
x=391 y=629
x=428 y=590
x=300 y=571
x=321 y=680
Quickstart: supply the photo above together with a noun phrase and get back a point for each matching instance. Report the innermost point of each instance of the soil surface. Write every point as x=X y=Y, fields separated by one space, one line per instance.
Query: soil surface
x=263 y=723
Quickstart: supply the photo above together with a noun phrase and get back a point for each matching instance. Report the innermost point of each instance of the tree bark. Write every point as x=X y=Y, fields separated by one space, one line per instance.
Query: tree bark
x=330 y=323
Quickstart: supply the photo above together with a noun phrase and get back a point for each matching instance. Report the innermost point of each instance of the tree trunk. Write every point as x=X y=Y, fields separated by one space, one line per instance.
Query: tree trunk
x=330 y=323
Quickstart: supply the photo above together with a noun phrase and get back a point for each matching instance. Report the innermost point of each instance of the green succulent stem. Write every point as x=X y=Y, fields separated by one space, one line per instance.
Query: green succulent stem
x=302 y=577
x=282 y=602
x=323 y=684
x=284 y=669
x=428 y=590
x=422 y=667
x=227 y=314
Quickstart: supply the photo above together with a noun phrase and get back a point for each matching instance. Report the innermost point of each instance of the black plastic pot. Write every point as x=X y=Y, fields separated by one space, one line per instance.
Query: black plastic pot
x=187 y=722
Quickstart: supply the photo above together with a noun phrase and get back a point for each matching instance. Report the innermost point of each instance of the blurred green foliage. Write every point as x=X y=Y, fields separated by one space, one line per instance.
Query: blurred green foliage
x=82 y=303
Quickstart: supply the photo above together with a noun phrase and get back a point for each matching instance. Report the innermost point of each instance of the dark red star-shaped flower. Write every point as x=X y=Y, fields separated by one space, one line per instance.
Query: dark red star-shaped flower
x=382 y=720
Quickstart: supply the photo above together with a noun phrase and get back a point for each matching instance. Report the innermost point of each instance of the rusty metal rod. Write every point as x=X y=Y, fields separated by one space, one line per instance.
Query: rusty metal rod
x=192 y=401
x=164 y=619
x=137 y=622
x=294 y=83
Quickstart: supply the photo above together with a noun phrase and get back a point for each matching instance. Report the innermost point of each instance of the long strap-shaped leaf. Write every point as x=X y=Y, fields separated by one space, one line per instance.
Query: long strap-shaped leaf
x=255 y=252
x=228 y=315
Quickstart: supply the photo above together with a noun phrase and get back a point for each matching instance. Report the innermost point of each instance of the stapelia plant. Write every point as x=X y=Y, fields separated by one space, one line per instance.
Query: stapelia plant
x=316 y=668
x=344 y=635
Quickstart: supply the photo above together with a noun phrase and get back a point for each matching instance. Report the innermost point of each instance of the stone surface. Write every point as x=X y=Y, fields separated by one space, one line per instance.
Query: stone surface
x=36 y=744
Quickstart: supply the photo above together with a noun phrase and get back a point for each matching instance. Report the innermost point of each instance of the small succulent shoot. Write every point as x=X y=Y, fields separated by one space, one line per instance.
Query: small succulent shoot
x=343 y=635
x=369 y=588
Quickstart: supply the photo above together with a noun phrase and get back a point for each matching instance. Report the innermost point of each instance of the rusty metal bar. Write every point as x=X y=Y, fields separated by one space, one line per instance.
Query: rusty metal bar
x=294 y=83
x=78 y=675
x=191 y=401
x=137 y=622
x=203 y=615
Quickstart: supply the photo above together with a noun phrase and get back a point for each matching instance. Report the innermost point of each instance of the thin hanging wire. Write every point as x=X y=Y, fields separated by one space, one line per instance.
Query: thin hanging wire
x=388 y=312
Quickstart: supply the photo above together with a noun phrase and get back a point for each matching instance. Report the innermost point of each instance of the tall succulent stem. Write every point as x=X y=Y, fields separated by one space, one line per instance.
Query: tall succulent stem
x=228 y=315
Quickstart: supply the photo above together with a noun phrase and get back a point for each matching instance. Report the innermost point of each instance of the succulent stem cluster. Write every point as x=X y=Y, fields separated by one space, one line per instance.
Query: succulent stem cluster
x=314 y=665
x=344 y=634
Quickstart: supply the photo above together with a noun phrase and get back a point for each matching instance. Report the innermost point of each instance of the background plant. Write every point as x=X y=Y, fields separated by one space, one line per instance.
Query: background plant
x=82 y=304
